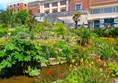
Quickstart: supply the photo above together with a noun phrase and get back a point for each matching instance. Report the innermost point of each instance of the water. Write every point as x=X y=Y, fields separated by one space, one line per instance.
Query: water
x=55 y=71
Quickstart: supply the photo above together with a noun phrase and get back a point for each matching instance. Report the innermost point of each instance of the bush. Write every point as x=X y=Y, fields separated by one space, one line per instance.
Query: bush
x=85 y=74
x=84 y=33
x=104 y=48
x=17 y=30
x=22 y=35
x=114 y=67
x=21 y=57
x=101 y=32
x=3 y=32
x=114 y=32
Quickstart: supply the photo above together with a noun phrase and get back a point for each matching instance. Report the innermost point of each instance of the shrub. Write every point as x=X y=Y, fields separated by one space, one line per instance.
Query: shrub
x=85 y=74
x=114 y=32
x=101 y=32
x=17 y=30
x=21 y=57
x=84 y=33
x=104 y=48
x=3 y=32
x=114 y=67
x=64 y=50
x=22 y=35
x=60 y=29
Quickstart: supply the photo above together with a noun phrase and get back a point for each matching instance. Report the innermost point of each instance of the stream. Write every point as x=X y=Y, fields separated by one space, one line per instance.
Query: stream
x=55 y=71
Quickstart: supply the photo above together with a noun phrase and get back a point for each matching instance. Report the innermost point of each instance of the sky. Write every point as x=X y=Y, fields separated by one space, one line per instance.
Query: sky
x=4 y=2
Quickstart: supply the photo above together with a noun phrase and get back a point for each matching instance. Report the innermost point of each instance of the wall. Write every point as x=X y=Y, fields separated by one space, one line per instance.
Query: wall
x=85 y=4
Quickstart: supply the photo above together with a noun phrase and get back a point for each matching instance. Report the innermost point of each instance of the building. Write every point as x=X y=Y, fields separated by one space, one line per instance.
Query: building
x=17 y=6
x=103 y=13
x=34 y=7
x=51 y=6
x=80 y=5
x=99 y=12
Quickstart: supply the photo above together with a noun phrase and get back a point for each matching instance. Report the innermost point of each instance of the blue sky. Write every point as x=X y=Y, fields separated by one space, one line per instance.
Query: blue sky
x=4 y=2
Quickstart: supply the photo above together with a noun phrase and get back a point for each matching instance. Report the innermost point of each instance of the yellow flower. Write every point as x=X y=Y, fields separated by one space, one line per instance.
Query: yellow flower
x=71 y=65
x=90 y=65
x=92 y=62
x=73 y=61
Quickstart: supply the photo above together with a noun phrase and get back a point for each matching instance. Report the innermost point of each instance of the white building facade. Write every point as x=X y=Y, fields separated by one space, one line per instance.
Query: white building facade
x=51 y=6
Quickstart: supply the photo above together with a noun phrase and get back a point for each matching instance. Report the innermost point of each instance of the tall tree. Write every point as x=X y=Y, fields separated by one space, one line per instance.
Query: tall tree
x=22 y=15
x=76 y=18
x=8 y=18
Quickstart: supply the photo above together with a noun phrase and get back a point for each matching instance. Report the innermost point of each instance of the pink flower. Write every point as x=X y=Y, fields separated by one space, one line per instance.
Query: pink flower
x=60 y=76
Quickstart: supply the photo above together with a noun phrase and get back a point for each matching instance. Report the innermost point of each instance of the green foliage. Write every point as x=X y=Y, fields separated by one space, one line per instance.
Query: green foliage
x=104 y=48
x=48 y=51
x=101 y=32
x=84 y=33
x=114 y=32
x=22 y=15
x=85 y=74
x=18 y=56
x=64 y=50
x=3 y=32
x=8 y=18
x=3 y=42
x=33 y=72
x=60 y=29
x=22 y=35
x=114 y=67
x=18 y=30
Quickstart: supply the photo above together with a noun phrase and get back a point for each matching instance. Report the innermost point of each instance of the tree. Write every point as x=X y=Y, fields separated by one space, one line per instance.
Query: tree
x=8 y=18
x=76 y=18
x=22 y=15
x=30 y=22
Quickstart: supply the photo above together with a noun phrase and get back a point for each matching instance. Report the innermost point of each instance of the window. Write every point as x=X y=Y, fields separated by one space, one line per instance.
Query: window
x=18 y=4
x=108 y=10
x=14 y=5
x=54 y=4
x=10 y=5
x=54 y=10
x=47 y=11
x=78 y=7
x=25 y=4
x=63 y=9
x=46 y=5
x=117 y=9
x=96 y=11
x=62 y=2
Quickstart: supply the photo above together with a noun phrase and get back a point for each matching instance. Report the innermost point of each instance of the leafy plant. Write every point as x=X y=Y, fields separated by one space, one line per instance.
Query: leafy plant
x=18 y=56
x=60 y=29
x=22 y=35
x=104 y=48
x=114 y=67
x=114 y=32
x=85 y=74
x=3 y=32
x=84 y=33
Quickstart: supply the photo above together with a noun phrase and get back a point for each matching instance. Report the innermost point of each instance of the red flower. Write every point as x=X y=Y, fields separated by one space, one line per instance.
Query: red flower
x=60 y=75
x=48 y=72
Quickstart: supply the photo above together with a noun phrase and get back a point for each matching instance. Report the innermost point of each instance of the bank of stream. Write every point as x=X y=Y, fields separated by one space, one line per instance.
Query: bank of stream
x=55 y=71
